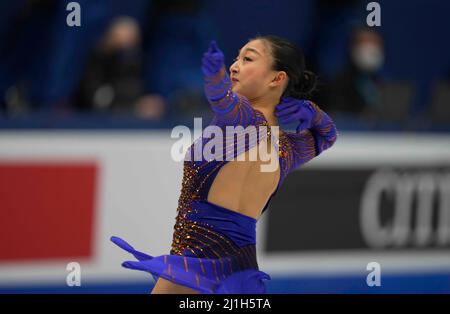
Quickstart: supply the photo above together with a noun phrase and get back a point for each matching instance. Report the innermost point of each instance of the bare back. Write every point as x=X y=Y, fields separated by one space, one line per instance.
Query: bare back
x=241 y=186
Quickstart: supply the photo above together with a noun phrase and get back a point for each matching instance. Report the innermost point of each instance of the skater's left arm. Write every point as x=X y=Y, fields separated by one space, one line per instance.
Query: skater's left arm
x=230 y=108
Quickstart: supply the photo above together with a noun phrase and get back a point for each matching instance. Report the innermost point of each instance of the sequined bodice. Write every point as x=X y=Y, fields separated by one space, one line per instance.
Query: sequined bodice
x=232 y=109
x=214 y=248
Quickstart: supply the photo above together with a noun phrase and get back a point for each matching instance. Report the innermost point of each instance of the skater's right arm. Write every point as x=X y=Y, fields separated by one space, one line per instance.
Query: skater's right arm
x=316 y=131
x=230 y=108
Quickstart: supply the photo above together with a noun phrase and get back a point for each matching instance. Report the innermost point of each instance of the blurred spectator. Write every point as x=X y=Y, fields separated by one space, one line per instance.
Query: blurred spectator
x=112 y=80
x=356 y=90
x=42 y=57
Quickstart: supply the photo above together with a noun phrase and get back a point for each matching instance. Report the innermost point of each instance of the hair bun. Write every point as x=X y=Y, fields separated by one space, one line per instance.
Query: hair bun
x=305 y=85
x=309 y=82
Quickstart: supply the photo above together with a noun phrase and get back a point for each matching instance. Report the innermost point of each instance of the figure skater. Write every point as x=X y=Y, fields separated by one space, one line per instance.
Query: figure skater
x=214 y=241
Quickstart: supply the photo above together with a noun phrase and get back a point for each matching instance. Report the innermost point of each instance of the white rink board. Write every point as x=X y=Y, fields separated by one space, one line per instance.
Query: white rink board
x=138 y=191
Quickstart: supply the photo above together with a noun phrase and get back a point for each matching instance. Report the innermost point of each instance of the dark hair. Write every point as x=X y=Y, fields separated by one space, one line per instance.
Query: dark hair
x=289 y=57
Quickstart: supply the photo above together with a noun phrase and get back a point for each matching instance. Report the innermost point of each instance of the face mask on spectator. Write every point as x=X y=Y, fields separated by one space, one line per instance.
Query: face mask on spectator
x=368 y=57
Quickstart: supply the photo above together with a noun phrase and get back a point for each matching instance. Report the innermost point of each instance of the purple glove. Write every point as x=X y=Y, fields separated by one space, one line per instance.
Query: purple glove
x=212 y=60
x=295 y=110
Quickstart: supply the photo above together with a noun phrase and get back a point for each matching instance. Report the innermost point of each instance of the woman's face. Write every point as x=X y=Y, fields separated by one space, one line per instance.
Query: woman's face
x=252 y=70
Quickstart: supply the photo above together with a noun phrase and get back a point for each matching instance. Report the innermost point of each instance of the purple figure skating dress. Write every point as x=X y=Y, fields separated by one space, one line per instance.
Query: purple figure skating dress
x=214 y=248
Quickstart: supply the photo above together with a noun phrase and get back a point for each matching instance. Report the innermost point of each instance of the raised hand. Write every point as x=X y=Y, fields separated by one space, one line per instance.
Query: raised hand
x=295 y=110
x=212 y=60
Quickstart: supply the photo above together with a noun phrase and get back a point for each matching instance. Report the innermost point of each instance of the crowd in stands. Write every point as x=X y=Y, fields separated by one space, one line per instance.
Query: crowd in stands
x=140 y=60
